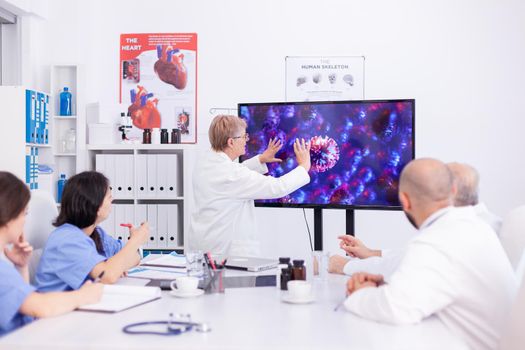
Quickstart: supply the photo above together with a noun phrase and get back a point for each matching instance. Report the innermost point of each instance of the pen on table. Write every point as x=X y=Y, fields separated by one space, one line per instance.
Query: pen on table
x=207 y=259
x=211 y=262
x=97 y=280
x=340 y=304
x=224 y=263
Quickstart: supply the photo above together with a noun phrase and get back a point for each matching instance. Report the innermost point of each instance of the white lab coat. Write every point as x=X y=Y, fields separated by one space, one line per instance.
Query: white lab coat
x=389 y=260
x=385 y=265
x=490 y=218
x=223 y=220
x=455 y=268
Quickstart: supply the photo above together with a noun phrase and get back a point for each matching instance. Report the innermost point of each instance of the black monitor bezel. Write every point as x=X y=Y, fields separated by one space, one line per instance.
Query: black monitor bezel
x=337 y=206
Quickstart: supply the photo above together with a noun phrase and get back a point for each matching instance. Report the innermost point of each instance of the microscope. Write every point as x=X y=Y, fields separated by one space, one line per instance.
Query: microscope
x=125 y=126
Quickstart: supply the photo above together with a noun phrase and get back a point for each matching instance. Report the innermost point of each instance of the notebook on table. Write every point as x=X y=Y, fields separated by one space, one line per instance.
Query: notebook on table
x=252 y=264
x=117 y=298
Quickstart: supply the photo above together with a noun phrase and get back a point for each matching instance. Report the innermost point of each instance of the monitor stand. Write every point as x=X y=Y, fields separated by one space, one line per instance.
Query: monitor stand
x=318 y=226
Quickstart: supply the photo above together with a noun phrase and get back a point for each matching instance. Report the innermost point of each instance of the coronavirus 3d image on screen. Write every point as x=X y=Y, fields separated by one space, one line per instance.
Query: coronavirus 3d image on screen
x=358 y=148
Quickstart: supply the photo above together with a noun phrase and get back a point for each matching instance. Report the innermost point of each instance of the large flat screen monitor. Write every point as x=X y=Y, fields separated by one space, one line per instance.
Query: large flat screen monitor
x=358 y=149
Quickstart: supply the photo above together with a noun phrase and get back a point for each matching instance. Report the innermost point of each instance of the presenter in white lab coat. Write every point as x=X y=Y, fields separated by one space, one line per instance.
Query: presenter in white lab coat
x=386 y=261
x=223 y=219
x=454 y=268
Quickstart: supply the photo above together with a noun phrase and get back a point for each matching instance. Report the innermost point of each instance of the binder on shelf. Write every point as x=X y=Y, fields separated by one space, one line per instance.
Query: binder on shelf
x=162 y=225
x=100 y=164
x=142 y=176
x=29 y=125
x=173 y=176
x=123 y=174
x=173 y=221
x=129 y=218
x=31 y=171
x=109 y=169
x=103 y=165
x=152 y=176
x=129 y=186
x=38 y=116
x=109 y=224
x=120 y=216
x=162 y=175
x=46 y=119
x=141 y=215
x=28 y=165
x=34 y=119
x=34 y=167
x=120 y=176
x=152 y=219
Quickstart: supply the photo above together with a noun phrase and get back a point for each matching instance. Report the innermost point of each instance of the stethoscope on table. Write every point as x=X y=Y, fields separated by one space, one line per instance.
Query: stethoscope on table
x=176 y=324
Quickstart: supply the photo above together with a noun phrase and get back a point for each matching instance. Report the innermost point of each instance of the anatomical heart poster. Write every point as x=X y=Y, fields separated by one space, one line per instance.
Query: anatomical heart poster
x=158 y=82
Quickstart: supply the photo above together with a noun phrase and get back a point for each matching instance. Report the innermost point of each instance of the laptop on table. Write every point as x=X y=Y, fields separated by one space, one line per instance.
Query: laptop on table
x=252 y=264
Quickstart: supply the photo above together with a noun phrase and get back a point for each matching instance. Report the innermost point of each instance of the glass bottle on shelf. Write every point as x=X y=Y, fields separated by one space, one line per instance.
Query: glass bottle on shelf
x=71 y=140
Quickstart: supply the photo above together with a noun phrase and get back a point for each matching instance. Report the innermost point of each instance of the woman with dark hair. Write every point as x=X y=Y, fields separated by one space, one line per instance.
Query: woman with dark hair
x=19 y=303
x=78 y=249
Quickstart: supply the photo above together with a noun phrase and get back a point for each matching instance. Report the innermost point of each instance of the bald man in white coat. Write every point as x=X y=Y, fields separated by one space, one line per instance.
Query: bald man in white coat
x=454 y=268
x=385 y=261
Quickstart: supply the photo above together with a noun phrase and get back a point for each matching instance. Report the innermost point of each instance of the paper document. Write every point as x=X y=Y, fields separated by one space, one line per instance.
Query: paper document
x=127 y=281
x=156 y=273
x=118 y=298
x=167 y=260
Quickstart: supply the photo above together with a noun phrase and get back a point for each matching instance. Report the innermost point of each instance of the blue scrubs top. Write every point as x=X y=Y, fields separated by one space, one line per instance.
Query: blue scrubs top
x=69 y=256
x=13 y=292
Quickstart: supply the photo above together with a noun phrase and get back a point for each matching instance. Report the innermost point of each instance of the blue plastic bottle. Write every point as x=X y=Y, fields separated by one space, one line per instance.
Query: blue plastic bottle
x=65 y=102
x=60 y=187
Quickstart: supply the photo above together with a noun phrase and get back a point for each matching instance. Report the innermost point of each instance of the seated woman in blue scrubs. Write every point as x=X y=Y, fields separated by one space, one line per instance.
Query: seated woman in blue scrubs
x=78 y=249
x=19 y=303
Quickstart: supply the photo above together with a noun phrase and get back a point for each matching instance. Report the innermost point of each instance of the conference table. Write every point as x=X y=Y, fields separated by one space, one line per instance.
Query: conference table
x=240 y=318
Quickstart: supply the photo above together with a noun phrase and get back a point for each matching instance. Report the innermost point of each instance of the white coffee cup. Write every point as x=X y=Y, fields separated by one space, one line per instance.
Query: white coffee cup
x=185 y=284
x=299 y=289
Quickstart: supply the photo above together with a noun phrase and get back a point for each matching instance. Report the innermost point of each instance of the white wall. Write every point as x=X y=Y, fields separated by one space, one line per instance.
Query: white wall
x=461 y=60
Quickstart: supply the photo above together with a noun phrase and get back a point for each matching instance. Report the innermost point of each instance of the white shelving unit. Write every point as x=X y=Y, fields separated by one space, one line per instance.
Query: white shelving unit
x=185 y=158
x=69 y=163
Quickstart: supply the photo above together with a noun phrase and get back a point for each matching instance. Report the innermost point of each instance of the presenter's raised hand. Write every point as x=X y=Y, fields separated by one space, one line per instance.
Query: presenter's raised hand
x=302 y=153
x=268 y=156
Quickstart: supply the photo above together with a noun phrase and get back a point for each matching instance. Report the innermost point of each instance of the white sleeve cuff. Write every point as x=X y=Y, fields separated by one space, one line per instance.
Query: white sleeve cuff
x=255 y=164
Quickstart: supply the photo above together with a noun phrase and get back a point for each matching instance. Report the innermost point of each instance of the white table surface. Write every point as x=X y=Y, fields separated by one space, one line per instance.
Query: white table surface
x=241 y=318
